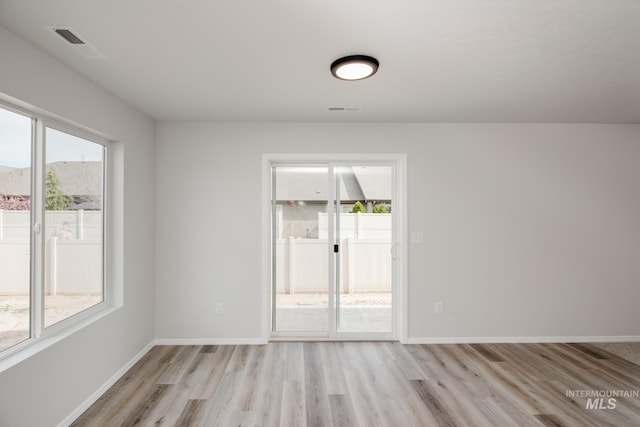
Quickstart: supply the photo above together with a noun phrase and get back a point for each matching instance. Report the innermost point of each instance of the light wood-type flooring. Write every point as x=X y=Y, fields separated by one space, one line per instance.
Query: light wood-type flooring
x=372 y=384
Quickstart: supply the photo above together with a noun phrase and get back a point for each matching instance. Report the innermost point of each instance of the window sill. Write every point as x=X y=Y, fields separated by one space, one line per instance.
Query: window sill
x=56 y=333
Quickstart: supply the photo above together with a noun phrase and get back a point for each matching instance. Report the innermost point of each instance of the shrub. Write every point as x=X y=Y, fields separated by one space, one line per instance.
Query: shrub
x=358 y=207
x=380 y=208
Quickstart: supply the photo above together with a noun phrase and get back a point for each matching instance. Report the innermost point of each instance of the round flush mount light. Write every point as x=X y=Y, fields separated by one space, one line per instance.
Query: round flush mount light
x=354 y=67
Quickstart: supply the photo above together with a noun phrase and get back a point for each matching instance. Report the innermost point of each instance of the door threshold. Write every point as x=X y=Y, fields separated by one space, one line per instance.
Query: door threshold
x=279 y=337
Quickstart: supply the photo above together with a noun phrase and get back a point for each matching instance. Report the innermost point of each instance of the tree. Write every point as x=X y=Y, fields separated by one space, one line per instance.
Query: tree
x=358 y=207
x=55 y=200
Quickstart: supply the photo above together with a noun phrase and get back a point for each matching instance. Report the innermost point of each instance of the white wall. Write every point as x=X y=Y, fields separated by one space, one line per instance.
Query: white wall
x=79 y=364
x=530 y=230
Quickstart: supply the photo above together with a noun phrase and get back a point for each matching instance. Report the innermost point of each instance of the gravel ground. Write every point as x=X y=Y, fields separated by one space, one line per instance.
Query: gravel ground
x=297 y=300
x=14 y=314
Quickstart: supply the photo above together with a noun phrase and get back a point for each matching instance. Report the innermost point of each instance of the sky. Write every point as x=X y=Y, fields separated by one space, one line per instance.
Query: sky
x=15 y=143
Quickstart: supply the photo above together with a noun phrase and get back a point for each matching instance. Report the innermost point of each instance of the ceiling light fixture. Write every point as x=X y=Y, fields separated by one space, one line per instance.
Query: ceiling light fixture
x=354 y=67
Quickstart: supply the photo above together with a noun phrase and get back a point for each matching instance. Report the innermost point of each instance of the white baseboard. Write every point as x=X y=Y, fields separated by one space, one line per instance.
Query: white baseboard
x=96 y=395
x=210 y=341
x=518 y=340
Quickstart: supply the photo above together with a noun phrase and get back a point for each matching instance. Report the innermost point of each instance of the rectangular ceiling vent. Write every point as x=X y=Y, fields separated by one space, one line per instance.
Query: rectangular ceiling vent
x=77 y=42
x=343 y=108
x=68 y=36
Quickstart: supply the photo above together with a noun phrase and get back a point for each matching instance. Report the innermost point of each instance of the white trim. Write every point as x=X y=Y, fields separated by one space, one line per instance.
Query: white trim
x=332 y=222
x=29 y=110
x=399 y=161
x=402 y=286
x=104 y=387
x=38 y=216
x=313 y=158
x=522 y=340
x=26 y=349
x=82 y=133
x=41 y=337
x=359 y=337
x=266 y=248
x=210 y=341
x=327 y=336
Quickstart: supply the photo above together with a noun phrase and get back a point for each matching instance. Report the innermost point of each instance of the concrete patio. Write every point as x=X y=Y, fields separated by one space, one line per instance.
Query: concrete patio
x=309 y=313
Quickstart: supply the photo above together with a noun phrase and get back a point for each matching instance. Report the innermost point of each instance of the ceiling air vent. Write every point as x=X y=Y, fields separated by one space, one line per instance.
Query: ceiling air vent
x=343 y=109
x=68 y=36
x=77 y=42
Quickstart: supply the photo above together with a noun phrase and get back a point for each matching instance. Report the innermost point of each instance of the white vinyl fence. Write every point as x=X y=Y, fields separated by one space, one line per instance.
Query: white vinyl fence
x=358 y=225
x=72 y=266
x=84 y=224
x=365 y=257
x=302 y=265
x=14 y=267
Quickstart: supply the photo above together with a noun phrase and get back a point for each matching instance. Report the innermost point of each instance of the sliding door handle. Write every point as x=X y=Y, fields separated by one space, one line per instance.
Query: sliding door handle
x=394 y=251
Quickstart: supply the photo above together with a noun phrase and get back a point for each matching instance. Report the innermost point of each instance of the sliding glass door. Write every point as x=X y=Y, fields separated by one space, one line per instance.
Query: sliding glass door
x=332 y=250
x=300 y=292
x=364 y=234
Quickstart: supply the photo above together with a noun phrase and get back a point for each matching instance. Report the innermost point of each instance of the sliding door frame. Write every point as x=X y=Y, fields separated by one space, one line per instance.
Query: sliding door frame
x=399 y=246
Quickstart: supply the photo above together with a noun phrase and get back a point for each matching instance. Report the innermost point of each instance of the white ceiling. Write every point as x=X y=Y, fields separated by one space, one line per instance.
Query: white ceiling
x=268 y=60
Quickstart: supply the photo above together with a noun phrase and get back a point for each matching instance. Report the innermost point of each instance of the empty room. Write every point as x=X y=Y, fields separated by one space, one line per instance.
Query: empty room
x=319 y=213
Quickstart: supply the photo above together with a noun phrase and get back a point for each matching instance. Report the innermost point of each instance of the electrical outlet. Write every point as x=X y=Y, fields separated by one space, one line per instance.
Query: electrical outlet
x=417 y=237
x=219 y=309
x=439 y=309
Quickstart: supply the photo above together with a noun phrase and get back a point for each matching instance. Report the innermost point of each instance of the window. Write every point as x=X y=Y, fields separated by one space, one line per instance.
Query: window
x=52 y=245
x=15 y=219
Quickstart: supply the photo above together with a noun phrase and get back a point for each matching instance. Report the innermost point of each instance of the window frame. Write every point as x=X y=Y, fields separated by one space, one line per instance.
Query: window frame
x=41 y=337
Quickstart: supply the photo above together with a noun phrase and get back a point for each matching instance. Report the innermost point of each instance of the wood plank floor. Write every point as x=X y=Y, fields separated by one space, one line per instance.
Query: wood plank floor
x=373 y=384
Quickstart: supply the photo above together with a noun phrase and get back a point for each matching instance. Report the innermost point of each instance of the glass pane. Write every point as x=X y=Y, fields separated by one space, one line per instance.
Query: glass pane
x=15 y=226
x=364 y=298
x=73 y=225
x=300 y=240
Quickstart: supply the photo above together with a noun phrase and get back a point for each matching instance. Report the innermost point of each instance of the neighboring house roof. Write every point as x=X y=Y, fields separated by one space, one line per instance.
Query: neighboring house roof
x=77 y=179
x=87 y=206
x=15 y=181
x=5 y=169
x=375 y=181
x=357 y=183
